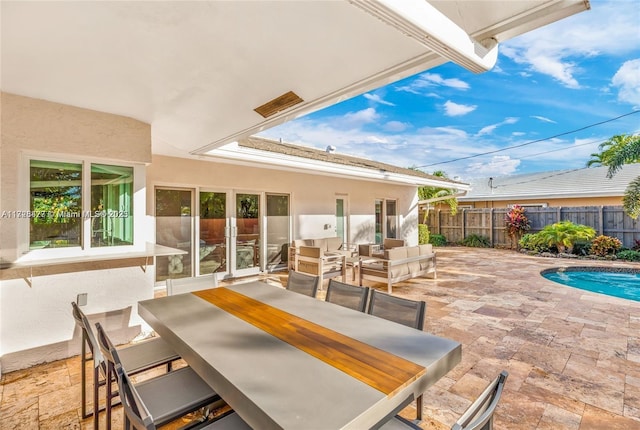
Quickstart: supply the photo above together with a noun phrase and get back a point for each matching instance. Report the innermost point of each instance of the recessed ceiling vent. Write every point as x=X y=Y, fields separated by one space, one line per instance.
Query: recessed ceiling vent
x=278 y=104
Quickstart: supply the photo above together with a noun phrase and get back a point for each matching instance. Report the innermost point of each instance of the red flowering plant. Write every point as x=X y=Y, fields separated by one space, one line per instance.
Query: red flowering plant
x=517 y=223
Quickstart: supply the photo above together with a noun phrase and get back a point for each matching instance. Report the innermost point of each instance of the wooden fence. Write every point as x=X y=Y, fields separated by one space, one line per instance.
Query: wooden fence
x=490 y=223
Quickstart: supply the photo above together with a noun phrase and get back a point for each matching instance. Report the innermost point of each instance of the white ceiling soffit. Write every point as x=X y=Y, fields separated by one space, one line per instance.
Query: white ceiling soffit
x=196 y=70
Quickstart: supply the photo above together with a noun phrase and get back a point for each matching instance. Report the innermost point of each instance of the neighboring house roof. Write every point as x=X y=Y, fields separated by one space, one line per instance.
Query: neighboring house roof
x=198 y=71
x=278 y=155
x=584 y=182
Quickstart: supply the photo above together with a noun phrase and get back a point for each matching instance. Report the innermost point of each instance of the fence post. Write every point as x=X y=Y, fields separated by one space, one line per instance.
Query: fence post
x=491 y=232
x=601 y=220
x=438 y=222
x=559 y=214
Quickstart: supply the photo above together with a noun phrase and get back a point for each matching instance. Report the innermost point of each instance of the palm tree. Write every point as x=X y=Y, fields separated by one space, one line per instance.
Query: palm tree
x=428 y=193
x=616 y=152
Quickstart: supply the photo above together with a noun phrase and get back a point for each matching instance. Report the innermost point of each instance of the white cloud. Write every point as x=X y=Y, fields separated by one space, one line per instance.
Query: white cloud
x=429 y=80
x=375 y=98
x=543 y=119
x=554 y=49
x=627 y=79
x=498 y=165
x=356 y=119
x=490 y=128
x=455 y=109
x=396 y=126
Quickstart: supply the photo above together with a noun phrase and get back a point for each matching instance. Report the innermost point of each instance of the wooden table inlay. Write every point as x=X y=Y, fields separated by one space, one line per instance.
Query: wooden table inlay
x=379 y=369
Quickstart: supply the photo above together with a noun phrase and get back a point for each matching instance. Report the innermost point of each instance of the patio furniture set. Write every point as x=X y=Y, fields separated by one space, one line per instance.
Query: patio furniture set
x=393 y=262
x=282 y=365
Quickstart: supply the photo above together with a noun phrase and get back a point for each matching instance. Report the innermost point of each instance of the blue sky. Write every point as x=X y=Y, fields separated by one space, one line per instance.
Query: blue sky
x=563 y=77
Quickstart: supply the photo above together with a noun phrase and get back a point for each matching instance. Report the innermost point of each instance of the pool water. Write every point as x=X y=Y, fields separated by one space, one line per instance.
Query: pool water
x=624 y=283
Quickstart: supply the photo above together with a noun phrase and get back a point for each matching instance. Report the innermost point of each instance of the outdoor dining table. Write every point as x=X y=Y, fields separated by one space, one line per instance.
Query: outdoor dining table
x=284 y=360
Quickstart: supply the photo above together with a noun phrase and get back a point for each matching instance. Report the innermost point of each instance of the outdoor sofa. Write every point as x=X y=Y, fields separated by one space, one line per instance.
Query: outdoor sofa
x=399 y=264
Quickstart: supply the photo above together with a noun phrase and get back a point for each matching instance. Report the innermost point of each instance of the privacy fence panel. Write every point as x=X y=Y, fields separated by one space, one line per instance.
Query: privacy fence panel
x=490 y=223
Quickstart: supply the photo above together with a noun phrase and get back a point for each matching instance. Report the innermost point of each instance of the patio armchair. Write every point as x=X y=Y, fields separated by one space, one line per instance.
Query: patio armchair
x=316 y=261
x=156 y=401
x=138 y=358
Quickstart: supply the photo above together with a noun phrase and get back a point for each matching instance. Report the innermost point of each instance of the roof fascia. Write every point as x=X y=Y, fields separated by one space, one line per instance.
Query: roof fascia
x=428 y=26
x=235 y=154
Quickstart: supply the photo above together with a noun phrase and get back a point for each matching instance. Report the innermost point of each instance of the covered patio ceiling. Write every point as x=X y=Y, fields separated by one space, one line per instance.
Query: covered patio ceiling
x=198 y=70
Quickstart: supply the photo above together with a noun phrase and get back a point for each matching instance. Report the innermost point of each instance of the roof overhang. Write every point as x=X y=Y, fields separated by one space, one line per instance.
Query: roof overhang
x=197 y=70
x=238 y=155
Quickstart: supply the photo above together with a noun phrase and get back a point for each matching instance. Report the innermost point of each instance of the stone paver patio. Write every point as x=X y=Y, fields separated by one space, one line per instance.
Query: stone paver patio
x=573 y=356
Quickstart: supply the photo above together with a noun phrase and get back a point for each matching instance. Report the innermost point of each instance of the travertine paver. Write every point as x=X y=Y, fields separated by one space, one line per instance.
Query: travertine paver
x=573 y=356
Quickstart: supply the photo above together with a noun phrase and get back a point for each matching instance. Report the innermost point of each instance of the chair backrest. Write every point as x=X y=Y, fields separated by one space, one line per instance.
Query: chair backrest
x=397 y=309
x=108 y=350
x=350 y=296
x=187 y=285
x=303 y=284
x=134 y=408
x=479 y=416
x=88 y=335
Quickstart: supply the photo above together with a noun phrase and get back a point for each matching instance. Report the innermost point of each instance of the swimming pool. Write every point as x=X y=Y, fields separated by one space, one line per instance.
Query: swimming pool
x=617 y=282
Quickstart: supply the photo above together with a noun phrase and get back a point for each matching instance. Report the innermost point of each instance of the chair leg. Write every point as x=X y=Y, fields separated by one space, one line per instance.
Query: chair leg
x=96 y=400
x=83 y=373
x=419 y=408
x=108 y=406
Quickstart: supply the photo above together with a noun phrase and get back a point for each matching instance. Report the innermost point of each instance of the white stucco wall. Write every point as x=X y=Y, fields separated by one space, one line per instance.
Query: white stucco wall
x=312 y=196
x=35 y=320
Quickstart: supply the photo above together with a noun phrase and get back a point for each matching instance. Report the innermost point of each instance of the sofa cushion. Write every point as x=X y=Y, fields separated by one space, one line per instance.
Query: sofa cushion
x=301 y=242
x=311 y=251
x=426 y=250
x=393 y=243
x=414 y=266
x=320 y=243
x=397 y=254
x=334 y=243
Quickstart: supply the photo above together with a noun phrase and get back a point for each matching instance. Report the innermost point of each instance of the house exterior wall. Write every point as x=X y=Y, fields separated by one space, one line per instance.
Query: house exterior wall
x=312 y=196
x=563 y=202
x=35 y=313
x=36 y=324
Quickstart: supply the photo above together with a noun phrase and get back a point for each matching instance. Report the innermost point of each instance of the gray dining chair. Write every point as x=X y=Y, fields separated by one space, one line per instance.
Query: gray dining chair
x=159 y=400
x=397 y=309
x=400 y=310
x=303 y=283
x=478 y=416
x=350 y=296
x=138 y=358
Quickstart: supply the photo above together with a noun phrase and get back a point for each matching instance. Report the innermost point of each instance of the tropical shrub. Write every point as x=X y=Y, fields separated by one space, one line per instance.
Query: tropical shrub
x=628 y=255
x=423 y=234
x=533 y=242
x=517 y=223
x=437 y=240
x=476 y=241
x=564 y=234
x=605 y=245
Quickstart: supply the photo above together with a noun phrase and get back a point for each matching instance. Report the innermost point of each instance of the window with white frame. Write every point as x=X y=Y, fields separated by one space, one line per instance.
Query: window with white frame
x=57 y=209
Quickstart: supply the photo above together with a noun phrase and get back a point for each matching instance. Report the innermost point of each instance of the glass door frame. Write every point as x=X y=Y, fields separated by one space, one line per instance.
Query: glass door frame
x=258 y=248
